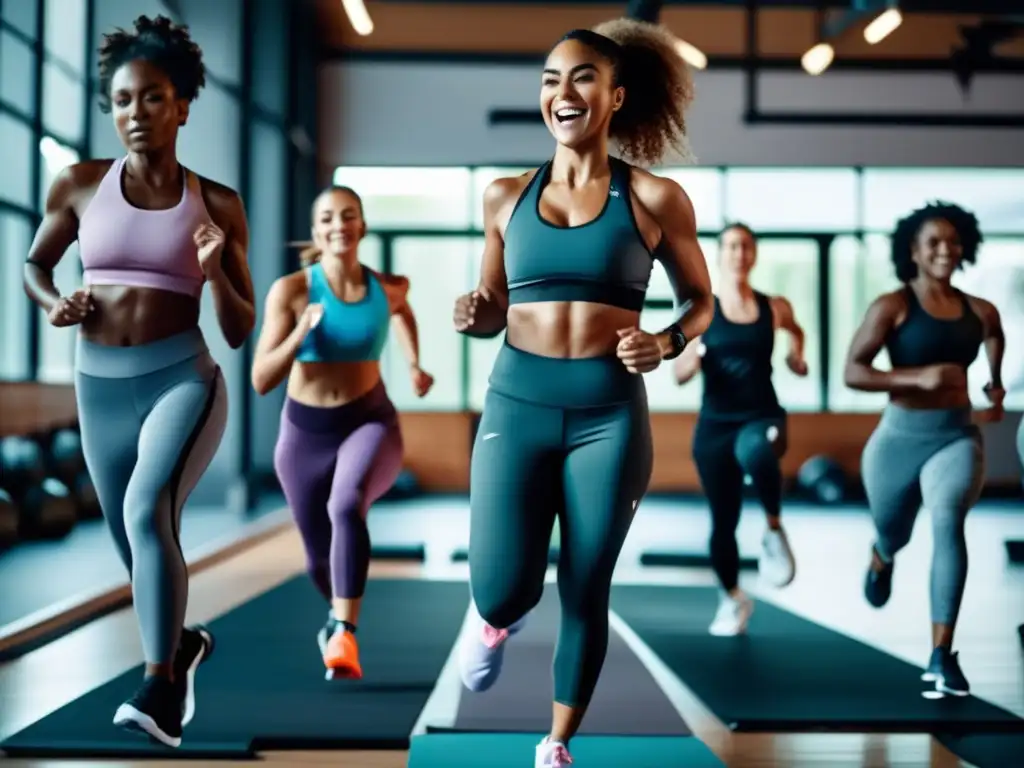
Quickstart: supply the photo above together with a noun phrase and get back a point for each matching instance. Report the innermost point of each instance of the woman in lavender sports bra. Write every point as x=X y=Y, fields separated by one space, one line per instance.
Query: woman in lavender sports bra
x=152 y=403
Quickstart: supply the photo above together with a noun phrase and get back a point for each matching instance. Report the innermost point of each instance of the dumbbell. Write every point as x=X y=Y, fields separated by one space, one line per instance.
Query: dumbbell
x=48 y=509
x=10 y=521
x=822 y=480
x=67 y=464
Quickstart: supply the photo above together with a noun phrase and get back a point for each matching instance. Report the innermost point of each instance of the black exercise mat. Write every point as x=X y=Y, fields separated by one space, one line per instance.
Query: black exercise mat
x=514 y=750
x=986 y=751
x=520 y=701
x=789 y=674
x=461 y=555
x=415 y=552
x=1015 y=551
x=679 y=559
x=264 y=688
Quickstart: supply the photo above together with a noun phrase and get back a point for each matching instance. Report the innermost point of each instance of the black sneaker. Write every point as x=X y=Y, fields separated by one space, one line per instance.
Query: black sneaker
x=944 y=670
x=195 y=648
x=154 y=709
x=878 y=584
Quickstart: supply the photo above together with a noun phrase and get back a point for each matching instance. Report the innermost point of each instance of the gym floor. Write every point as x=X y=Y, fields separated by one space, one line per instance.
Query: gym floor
x=831 y=546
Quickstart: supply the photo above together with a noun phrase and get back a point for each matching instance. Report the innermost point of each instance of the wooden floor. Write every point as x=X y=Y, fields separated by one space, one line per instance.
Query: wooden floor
x=830 y=547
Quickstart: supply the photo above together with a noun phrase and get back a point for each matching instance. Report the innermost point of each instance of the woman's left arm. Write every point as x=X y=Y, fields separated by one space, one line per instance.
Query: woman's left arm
x=403 y=319
x=223 y=254
x=995 y=346
x=687 y=270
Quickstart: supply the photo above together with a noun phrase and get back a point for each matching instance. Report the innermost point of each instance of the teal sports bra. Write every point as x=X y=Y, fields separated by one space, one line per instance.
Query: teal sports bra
x=347 y=332
x=604 y=261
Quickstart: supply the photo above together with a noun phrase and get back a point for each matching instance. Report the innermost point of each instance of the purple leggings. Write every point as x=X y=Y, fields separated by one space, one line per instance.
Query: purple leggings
x=333 y=463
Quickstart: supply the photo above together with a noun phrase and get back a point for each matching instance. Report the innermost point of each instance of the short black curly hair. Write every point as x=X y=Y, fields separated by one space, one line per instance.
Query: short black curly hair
x=907 y=229
x=163 y=43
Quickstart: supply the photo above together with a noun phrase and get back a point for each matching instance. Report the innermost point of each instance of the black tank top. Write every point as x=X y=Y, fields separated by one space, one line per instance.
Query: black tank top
x=737 y=366
x=923 y=339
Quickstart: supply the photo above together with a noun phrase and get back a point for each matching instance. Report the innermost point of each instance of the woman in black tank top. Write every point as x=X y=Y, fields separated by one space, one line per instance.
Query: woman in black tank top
x=741 y=430
x=927 y=449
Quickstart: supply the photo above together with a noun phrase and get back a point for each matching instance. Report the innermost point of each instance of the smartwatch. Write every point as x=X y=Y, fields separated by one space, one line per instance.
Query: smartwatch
x=677 y=341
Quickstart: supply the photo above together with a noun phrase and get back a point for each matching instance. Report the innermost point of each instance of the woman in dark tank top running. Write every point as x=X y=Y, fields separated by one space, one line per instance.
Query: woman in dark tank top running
x=741 y=429
x=152 y=402
x=565 y=431
x=927 y=449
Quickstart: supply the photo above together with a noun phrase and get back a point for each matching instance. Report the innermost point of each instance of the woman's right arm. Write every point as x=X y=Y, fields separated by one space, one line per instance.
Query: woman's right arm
x=860 y=373
x=280 y=337
x=57 y=231
x=484 y=312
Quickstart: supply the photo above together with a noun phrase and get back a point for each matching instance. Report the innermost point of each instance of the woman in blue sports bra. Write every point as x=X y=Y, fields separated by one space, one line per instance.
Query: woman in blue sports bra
x=565 y=432
x=339 y=448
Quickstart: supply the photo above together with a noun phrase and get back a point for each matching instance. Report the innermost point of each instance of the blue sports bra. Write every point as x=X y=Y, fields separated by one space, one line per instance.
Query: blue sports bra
x=347 y=332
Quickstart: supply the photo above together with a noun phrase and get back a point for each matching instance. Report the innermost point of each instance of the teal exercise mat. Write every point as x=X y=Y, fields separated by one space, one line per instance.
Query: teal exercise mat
x=264 y=687
x=627 y=700
x=986 y=750
x=515 y=750
x=789 y=674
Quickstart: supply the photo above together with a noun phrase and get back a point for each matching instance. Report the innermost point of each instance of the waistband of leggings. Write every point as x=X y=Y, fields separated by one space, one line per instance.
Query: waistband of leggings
x=110 y=362
x=375 y=405
x=590 y=382
x=925 y=419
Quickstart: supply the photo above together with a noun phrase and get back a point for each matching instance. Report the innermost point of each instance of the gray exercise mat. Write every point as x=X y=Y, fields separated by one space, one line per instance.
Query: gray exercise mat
x=627 y=700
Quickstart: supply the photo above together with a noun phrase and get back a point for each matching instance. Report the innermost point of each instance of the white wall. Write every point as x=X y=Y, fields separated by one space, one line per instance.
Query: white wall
x=379 y=113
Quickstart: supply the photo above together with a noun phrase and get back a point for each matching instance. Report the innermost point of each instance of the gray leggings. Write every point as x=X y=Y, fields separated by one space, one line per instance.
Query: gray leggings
x=933 y=458
x=152 y=417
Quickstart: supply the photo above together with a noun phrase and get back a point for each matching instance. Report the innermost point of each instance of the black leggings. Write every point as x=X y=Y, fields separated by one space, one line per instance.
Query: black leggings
x=724 y=452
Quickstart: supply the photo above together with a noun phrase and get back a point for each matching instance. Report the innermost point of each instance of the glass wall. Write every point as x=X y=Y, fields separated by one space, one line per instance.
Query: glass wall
x=43 y=117
x=814 y=224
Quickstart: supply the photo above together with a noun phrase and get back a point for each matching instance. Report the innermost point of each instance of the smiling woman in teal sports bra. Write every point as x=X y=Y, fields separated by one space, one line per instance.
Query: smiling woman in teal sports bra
x=339 y=447
x=565 y=432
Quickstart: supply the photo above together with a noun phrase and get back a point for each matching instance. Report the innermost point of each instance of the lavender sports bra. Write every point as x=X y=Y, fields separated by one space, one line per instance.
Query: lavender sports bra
x=124 y=245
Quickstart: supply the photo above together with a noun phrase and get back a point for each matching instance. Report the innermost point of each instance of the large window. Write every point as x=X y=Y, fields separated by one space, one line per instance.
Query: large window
x=432 y=218
x=57 y=345
x=792 y=200
x=15 y=237
x=998 y=277
x=413 y=198
x=789 y=268
x=16 y=152
x=66 y=36
x=20 y=14
x=996 y=196
x=17 y=72
x=438 y=269
x=861 y=272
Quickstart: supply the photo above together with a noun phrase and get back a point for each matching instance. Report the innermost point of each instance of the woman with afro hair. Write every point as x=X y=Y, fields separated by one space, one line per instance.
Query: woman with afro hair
x=565 y=432
x=927 y=448
x=152 y=403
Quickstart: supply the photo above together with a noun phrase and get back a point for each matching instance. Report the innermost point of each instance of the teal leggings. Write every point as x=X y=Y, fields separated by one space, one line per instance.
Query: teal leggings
x=536 y=460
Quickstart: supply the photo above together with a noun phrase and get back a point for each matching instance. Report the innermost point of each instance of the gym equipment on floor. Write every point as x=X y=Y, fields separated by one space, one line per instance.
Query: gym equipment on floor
x=822 y=480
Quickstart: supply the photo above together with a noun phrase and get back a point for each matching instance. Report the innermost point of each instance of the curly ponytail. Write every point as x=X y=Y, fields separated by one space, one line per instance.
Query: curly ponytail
x=658 y=84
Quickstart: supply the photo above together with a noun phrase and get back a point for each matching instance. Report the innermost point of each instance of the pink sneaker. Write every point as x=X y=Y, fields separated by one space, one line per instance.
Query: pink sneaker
x=481 y=652
x=552 y=754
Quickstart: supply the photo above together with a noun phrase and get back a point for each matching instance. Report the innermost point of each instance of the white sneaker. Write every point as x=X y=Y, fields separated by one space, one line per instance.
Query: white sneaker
x=482 y=650
x=776 y=565
x=551 y=754
x=732 y=616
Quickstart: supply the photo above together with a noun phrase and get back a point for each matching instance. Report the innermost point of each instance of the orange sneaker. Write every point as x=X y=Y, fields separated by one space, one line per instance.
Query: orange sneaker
x=341 y=656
